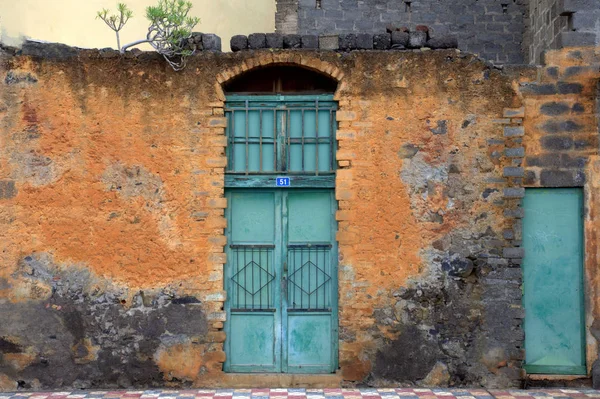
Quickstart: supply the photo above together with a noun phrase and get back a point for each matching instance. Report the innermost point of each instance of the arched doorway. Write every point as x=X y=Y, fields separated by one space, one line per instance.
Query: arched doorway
x=281 y=271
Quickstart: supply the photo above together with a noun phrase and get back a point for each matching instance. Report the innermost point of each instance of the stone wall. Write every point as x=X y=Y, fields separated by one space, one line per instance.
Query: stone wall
x=555 y=24
x=491 y=28
x=112 y=214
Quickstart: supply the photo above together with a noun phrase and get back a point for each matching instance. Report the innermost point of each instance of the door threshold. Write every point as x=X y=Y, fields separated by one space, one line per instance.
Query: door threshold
x=280 y=380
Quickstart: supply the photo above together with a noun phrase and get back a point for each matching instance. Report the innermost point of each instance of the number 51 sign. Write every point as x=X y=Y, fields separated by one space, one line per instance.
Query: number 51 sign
x=282 y=181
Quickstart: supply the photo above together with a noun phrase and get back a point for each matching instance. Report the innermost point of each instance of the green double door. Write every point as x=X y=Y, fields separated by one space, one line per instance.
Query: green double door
x=281 y=281
x=553 y=281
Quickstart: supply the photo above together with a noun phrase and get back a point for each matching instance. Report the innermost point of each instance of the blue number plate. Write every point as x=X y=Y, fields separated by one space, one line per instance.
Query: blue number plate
x=283 y=181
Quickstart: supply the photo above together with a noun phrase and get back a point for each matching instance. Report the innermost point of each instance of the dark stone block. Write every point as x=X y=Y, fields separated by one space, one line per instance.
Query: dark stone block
x=562 y=126
x=554 y=108
x=513 y=252
x=513 y=171
x=348 y=42
x=514 y=131
x=7 y=189
x=382 y=41
x=457 y=266
x=211 y=42
x=517 y=213
x=529 y=177
x=417 y=39
x=329 y=42
x=55 y=51
x=364 y=41
x=561 y=178
x=585 y=144
x=274 y=40
x=310 y=41
x=557 y=143
x=238 y=42
x=576 y=39
x=556 y=161
x=257 y=41
x=596 y=375
x=514 y=192
x=442 y=42
x=518 y=152
x=569 y=88
x=292 y=41
x=508 y=234
x=400 y=39
x=578 y=108
x=441 y=128
x=552 y=72
x=538 y=89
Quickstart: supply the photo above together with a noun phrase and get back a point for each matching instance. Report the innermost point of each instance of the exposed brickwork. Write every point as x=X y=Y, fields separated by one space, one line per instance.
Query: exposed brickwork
x=554 y=24
x=561 y=125
x=493 y=29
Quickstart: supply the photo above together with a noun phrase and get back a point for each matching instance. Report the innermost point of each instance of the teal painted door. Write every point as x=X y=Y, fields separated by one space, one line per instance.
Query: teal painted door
x=553 y=281
x=281 y=281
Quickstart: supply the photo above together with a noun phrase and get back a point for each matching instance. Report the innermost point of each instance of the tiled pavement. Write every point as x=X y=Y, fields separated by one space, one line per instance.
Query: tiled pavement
x=398 y=393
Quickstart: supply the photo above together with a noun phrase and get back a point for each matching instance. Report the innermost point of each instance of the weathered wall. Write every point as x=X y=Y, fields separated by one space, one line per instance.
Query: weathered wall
x=493 y=29
x=111 y=215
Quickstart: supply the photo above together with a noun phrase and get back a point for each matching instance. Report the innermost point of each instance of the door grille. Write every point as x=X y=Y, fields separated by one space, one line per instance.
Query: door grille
x=308 y=277
x=253 y=276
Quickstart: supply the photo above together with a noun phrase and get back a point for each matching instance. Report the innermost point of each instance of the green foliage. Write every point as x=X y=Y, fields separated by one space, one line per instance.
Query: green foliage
x=170 y=27
x=171 y=17
x=116 y=21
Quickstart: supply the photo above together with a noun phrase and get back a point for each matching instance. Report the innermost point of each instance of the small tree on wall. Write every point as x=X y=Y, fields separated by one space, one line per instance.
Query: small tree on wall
x=117 y=21
x=170 y=27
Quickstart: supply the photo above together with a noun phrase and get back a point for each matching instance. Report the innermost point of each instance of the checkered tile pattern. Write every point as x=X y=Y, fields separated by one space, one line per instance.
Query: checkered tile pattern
x=266 y=393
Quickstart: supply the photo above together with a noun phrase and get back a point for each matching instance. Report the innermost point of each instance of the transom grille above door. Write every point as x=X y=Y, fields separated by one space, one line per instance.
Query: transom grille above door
x=274 y=135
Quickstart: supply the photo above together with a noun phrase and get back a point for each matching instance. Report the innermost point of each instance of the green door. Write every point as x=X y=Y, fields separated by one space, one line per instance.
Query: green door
x=281 y=281
x=553 y=281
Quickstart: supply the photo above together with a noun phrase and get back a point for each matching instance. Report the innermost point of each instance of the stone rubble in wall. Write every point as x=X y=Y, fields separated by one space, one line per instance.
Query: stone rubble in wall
x=395 y=38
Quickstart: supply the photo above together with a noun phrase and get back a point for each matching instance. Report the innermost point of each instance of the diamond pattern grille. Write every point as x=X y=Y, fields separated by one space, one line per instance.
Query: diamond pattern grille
x=318 y=278
x=252 y=278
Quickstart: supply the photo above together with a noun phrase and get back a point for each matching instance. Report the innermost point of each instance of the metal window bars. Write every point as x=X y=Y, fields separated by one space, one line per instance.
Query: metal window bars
x=253 y=276
x=274 y=137
x=309 y=277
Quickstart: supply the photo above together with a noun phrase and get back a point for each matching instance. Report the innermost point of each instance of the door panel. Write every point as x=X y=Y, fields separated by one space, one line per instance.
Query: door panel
x=252 y=217
x=253 y=344
x=281 y=281
x=251 y=282
x=310 y=216
x=310 y=286
x=553 y=281
x=309 y=344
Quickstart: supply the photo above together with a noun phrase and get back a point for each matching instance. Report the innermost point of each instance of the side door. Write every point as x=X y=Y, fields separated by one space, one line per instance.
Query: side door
x=553 y=281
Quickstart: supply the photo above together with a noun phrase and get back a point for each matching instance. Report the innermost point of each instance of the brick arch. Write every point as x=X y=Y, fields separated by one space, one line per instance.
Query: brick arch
x=291 y=58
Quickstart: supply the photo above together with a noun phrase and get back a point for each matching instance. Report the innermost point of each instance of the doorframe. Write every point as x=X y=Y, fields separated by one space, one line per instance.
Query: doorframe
x=281 y=340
